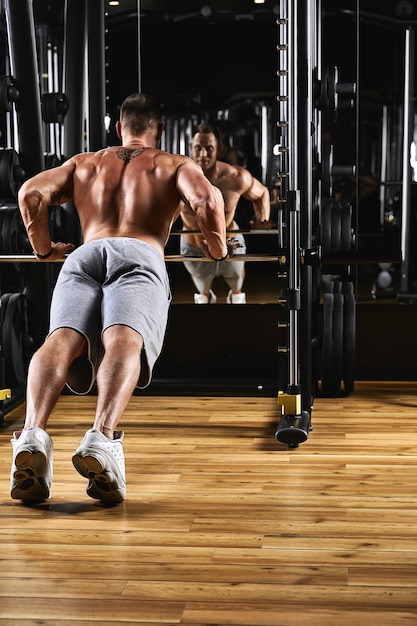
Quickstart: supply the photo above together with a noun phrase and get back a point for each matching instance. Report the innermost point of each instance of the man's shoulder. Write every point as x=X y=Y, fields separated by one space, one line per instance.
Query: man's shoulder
x=175 y=159
x=233 y=175
x=82 y=157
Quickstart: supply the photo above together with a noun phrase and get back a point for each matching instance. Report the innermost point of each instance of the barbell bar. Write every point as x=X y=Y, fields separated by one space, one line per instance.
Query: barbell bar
x=170 y=258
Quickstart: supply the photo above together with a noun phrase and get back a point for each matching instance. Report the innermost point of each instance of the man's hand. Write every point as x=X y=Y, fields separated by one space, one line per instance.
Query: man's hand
x=59 y=250
x=231 y=243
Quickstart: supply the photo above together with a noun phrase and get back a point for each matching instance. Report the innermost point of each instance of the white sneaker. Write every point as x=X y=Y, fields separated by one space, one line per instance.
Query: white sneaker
x=31 y=473
x=236 y=298
x=201 y=298
x=102 y=461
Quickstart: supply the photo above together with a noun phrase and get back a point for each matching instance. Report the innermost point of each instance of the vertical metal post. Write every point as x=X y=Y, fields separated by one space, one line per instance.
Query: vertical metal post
x=96 y=79
x=384 y=153
x=24 y=67
x=264 y=143
x=293 y=198
x=73 y=75
x=309 y=31
x=139 y=48
x=293 y=98
x=295 y=123
x=293 y=217
x=73 y=86
x=407 y=171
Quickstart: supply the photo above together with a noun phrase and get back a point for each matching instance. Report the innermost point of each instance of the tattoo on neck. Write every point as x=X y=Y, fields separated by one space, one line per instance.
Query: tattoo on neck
x=126 y=154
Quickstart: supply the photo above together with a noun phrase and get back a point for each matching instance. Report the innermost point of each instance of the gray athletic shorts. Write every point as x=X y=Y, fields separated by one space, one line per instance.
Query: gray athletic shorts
x=111 y=281
x=208 y=271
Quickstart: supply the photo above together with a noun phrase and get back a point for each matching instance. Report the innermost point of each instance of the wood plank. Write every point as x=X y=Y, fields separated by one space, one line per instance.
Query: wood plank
x=210 y=572
x=296 y=615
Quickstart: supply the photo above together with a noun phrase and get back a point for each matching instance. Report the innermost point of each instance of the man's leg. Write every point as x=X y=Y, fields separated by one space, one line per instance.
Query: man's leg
x=31 y=472
x=234 y=274
x=202 y=273
x=117 y=376
x=100 y=455
x=47 y=374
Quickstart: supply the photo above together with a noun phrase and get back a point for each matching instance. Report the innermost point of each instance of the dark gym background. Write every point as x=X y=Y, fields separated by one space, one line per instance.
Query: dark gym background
x=220 y=60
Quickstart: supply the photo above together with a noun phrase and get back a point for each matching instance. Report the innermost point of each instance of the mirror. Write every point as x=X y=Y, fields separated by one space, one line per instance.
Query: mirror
x=219 y=65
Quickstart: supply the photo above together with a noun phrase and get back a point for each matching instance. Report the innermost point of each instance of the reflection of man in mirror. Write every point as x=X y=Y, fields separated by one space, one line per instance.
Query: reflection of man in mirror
x=234 y=182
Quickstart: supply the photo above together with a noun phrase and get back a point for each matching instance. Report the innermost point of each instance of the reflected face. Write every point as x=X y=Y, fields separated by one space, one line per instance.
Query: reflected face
x=204 y=150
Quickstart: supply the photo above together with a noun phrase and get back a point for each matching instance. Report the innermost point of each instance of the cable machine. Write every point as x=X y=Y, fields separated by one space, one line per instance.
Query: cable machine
x=310 y=225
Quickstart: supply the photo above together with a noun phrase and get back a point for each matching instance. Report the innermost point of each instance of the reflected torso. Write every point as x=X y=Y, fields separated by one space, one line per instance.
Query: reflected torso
x=233 y=182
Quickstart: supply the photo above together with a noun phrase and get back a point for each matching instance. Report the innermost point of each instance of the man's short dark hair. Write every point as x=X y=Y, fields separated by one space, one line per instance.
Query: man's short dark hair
x=139 y=112
x=205 y=129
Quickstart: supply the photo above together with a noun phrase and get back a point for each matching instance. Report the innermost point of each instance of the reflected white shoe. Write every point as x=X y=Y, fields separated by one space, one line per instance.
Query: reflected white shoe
x=236 y=298
x=31 y=473
x=201 y=298
x=102 y=461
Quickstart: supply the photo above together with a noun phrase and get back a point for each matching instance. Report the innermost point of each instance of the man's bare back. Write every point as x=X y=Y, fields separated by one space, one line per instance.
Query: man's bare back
x=127 y=192
x=135 y=190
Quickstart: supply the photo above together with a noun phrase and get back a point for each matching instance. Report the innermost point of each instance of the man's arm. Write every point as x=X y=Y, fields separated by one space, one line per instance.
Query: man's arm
x=207 y=204
x=258 y=194
x=36 y=195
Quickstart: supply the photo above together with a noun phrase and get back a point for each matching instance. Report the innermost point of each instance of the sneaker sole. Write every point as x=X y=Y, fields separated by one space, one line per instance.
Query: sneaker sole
x=103 y=485
x=29 y=477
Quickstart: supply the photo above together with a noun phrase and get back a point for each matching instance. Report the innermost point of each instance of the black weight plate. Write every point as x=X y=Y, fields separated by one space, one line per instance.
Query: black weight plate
x=2 y=214
x=326 y=229
x=10 y=173
x=14 y=331
x=14 y=239
x=326 y=170
x=349 y=339
x=337 y=371
x=347 y=231
x=6 y=165
x=327 y=343
x=336 y=236
x=8 y=231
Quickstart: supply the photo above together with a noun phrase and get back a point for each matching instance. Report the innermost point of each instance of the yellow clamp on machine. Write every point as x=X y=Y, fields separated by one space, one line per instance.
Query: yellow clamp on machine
x=5 y=394
x=290 y=404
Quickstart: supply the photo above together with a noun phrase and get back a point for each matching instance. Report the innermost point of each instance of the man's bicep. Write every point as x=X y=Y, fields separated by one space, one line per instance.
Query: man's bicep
x=256 y=191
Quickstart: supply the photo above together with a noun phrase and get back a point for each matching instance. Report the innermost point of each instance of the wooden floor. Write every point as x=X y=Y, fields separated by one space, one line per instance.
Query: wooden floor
x=222 y=524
